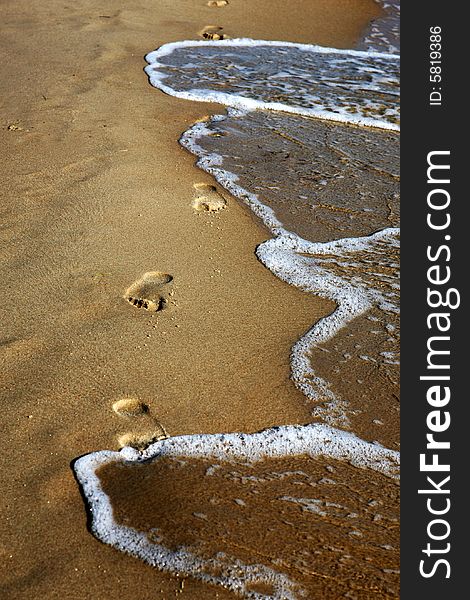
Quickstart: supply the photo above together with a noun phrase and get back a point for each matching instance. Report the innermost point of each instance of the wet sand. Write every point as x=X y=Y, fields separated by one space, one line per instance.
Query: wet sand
x=97 y=192
x=316 y=521
x=329 y=182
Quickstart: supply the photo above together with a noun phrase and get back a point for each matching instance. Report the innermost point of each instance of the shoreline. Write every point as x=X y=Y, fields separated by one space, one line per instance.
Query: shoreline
x=108 y=194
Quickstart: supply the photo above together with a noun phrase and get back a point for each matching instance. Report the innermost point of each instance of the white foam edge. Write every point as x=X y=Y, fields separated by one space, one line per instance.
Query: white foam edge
x=233 y=100
x=166 y=49
x=211 y=163
x=233 y=574
x=281 y=256
x=313 y=440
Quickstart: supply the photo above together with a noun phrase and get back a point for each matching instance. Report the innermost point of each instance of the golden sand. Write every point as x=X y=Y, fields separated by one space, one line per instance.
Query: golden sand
x=96 y=193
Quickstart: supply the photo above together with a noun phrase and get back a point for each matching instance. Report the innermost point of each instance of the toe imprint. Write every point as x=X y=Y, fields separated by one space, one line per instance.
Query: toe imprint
x=208 y=198
x=213 y=32
x=151 y=291
x=140 y=441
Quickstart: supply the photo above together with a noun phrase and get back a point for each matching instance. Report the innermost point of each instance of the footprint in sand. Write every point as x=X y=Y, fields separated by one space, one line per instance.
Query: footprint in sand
x=208 y=198
x=130 y=407
x=213 y=32
x=151 y=291
x=140 y=441
x=217 y=3
x=149 y=429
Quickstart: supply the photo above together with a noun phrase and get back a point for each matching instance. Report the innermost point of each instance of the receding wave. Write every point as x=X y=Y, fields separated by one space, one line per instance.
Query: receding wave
x=324 y=181
x=320 y=180
x=338 y=85
x=200 y=481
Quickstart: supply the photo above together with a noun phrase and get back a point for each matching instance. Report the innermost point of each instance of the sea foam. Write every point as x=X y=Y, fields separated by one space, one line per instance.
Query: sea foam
x=338 y=85
x=312 y=440
x=339 y=270
x=343 y=86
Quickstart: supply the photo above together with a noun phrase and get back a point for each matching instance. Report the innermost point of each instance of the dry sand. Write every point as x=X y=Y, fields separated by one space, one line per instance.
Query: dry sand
x=96 y=192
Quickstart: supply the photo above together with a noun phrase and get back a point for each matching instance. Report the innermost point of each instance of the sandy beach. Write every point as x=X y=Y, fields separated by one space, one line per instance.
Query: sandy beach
x=97 y=192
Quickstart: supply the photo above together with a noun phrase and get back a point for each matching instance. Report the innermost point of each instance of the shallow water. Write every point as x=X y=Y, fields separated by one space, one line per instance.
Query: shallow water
x=295 y=503
x=310 y=145
x=383 y=34
x=312 y=182
x=341 y=85
x=324 y=181
x=251 y=519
